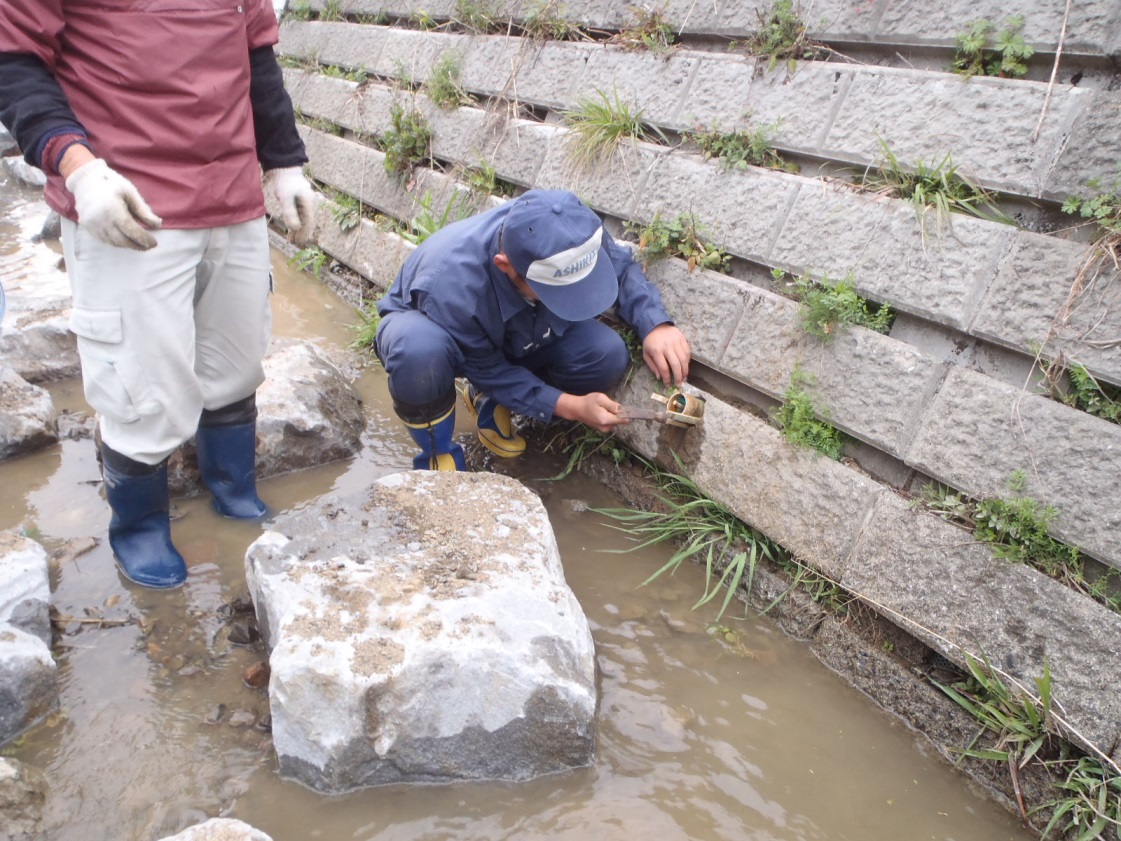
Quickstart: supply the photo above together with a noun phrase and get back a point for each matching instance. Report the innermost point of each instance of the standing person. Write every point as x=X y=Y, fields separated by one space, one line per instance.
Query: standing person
x=508 y=299
x=153 y=120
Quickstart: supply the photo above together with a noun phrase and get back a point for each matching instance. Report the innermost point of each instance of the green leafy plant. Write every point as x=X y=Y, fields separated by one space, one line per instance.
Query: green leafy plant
x=1080 y=390
x=311 y=259
x=798 y=419
x=705 y=531
x=830 y=306
x=347 y=212
x=428 y=221
x=1016 y=722
x=648 y=30
x=579 y=443
x=476 y=16
x=681 y=237
x=1104 y=208
x=937 y=186
x=781 y=35
x=351 y=74
x=408 y=143
x=545 y=22
x=598 y=124
x=482 y=179
x=423 y=21
x=1092 y=805
x=976 y=56
x=372 y=19
x=445 y=87
x=743 y=148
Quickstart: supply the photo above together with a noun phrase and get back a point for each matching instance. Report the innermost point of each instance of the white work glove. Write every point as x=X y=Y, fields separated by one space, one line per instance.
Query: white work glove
x=297 y=199
x=110 y=206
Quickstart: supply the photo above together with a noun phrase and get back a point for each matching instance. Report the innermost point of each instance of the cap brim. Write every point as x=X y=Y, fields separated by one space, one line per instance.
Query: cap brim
x=584 y=299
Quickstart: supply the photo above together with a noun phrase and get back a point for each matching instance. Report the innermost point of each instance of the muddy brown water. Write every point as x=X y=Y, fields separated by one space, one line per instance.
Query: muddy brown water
x=699 y=738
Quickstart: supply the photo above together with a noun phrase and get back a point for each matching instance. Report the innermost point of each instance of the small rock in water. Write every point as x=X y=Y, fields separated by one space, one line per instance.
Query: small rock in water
x=257 y=675
x=243 y=718
x=244 y=632
x=216 y=714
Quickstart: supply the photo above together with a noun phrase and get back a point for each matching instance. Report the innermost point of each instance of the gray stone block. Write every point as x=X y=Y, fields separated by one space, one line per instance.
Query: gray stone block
x=977 y=431
x=648 y=83
x=871 y=386
x=410 y=55
x=1033 y=303
x=986 y=125
x=1090 y=29
x=549 y=74
x=803 y=102
x=935 y=269
x=518 y=148
x=357 y=170
x=346 y=45
x=930 y=578
x=717 y=95
x=1091 y=150
x=489 y=63
x=705 y=305
x=813 y=506
x=299 y=39
x=739 y=210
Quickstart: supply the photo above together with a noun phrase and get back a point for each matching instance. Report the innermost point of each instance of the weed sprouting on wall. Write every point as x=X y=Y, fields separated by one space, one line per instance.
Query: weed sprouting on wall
x=444 y=85
x=347 y=212
x=477 y=16
x=1005 y=55
x=1076 y=387
x=310 y=259
x=742 y=148
x=544 y=22
x=598 y=124
x=801 y=422
x=682 y=237
x=429 y=220
x=831 y=306
x=408 y=142
x=781 y=36
x=937 y=187
x=1017 y=530
x=648 y=29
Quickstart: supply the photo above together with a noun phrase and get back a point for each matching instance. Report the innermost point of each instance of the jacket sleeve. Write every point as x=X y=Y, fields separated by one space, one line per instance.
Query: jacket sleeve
x=274 y=122
x=639 y=303
x=32 y=104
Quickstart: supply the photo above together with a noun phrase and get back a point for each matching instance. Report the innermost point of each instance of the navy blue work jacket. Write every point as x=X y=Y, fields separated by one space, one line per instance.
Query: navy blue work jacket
x=452 y=279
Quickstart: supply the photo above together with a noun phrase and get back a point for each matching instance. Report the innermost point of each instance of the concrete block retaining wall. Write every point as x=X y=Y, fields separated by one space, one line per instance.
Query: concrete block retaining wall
x=972 y=281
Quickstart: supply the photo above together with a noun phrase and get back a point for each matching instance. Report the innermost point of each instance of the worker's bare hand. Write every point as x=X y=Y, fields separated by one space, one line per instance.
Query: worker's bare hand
x=666 y=352
x=596 y=410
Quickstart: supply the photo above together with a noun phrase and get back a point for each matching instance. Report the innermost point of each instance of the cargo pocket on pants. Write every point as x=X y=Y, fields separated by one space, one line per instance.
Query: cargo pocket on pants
x=112 y=378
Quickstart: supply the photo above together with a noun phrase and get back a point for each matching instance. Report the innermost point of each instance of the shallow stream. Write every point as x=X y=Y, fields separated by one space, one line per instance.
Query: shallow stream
x=698 y=738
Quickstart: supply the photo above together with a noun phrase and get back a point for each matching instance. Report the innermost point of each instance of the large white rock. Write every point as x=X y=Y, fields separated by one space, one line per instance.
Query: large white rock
x=423 y=631
x=25 y=588
x=220 y=829
x=28 y=681
x=27 y=415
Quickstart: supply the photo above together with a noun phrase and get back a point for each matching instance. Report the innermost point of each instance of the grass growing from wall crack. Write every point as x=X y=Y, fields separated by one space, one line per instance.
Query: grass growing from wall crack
x=407 y=143
x=444 y=85
x=1006 y=55
x=742 y=148
x=831 y=306
x=599 y=123
x=780 y=35
x=802 y=423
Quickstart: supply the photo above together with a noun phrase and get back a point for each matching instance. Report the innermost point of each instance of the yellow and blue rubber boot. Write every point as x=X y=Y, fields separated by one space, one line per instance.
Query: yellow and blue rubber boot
x=496 y=426
x=437 y=450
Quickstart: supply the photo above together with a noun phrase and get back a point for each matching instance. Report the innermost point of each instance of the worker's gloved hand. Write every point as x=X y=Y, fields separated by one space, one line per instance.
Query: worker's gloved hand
x=297 y=198
x=110 y=206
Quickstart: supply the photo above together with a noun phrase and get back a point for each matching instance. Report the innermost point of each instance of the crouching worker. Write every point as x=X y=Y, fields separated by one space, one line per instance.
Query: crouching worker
x=508 y=299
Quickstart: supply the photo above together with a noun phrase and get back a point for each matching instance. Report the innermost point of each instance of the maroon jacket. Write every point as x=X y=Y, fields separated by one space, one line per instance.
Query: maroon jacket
x=162 y=89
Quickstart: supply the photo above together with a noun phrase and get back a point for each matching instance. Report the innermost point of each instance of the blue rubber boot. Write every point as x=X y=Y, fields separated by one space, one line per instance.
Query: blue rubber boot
x=226 y=442
x=496 y=427
x=140 y=528
x=437 y=450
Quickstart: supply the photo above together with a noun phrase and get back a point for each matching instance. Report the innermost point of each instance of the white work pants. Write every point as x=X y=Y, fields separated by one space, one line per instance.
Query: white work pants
x=165 y=333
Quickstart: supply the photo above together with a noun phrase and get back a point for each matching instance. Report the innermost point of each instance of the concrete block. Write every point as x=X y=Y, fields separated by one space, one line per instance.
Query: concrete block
x=844 y=20
x=653 y=84
x=345 y=44
x=872 y=386
x=613 y=185
x=986 y=125
x=739 y=210
x=410 y=55
x=300 y=39
x=803 y=102
x=550 y=74
x=707 y=306
x=1033 y=303
x=931 y=579
x=938 y=270
x=812 y=505
x=718 y=94
x=489 y=62
x=1092 y=150
x=458 y=134
x=357 y=170
x=1090 y=29
x=518 y=148
x=978 y=431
